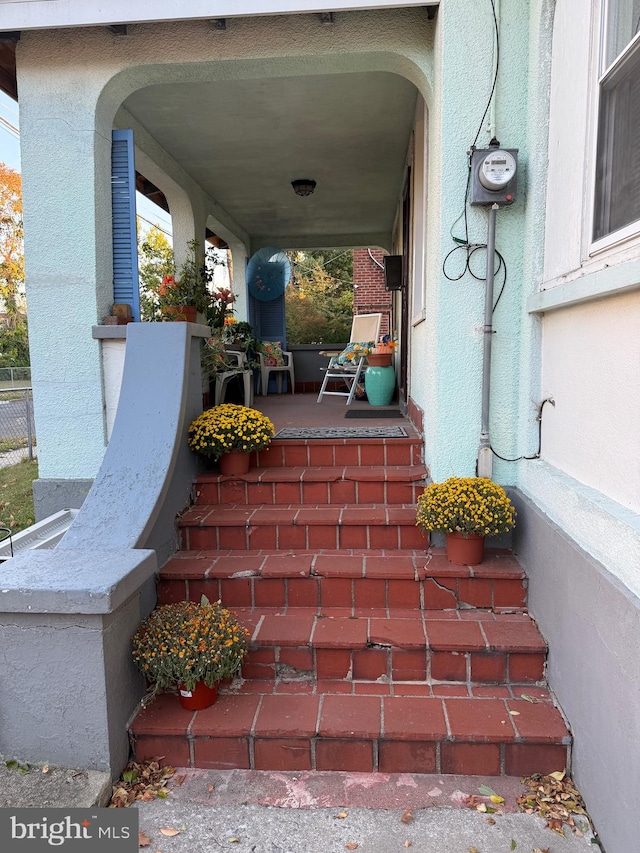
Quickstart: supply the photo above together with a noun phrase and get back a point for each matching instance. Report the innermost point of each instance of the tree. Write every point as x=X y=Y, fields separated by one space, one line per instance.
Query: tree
x=14 y=340
x=319 y=300
x=155 y=261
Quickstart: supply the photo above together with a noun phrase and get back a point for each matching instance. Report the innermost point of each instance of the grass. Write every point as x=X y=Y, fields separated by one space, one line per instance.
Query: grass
x=8 y=444
x=16 y=495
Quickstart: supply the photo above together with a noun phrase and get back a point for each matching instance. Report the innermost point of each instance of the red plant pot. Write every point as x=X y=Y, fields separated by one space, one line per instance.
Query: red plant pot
x=465 y=550
x=200 y=697
x=234 y=462
x=182 y=313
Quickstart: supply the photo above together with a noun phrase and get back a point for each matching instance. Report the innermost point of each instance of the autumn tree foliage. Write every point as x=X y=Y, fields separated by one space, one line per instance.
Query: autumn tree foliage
x=14 y=342
x=155 y=261
x=319 y=299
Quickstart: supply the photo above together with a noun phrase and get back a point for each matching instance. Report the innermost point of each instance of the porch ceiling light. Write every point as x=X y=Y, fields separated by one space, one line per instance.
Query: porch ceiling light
x=303 y=186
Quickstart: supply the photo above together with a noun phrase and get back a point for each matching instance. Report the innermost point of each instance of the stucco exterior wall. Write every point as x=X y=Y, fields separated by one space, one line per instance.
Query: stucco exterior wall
x=447 y=347
x=113 y=353
x=591 y=623
x=589 y=307
x=589 y=354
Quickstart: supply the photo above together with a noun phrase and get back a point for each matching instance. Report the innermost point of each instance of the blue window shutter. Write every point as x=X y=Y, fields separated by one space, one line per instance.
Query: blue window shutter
x=123 y=209
x=269 y=323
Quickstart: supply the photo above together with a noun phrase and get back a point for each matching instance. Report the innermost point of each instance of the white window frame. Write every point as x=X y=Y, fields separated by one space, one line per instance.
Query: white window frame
x=631 y=231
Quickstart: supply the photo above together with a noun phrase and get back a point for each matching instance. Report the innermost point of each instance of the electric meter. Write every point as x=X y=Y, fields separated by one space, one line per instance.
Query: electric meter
x=493 y=176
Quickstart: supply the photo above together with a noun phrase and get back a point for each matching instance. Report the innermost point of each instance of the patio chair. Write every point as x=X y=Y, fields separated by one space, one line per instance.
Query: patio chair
x=267 y=368
x=242 y=369
x=348 y=366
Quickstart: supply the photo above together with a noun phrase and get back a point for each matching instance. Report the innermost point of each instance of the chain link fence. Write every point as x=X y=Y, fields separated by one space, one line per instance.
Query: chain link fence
x=15 y=377
x=17 y=435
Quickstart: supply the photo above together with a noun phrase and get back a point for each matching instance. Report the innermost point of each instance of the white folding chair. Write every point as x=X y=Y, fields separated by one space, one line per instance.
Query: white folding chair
x=242 y=369
x=365 y=328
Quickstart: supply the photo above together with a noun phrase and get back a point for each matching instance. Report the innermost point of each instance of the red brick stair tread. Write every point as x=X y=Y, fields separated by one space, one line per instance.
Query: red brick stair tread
x=463 y=719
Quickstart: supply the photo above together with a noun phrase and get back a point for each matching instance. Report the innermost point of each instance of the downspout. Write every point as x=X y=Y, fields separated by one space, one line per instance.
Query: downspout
x=484 y=464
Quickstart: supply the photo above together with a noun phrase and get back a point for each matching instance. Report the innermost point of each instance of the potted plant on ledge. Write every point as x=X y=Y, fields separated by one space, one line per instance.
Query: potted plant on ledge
x=187 y=295
x=190 y=647
x=229 y=433
x=465 y=509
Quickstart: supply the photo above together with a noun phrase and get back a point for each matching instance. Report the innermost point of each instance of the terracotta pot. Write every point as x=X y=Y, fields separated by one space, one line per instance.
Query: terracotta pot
x=200 y=697
x=465 y=550
x=182 y=313
x=234 y=462
x=379 y=359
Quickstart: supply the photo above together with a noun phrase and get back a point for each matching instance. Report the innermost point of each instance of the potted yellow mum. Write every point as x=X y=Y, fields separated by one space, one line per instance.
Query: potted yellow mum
x=190 y=647
x=228 y=433
x=465 y=509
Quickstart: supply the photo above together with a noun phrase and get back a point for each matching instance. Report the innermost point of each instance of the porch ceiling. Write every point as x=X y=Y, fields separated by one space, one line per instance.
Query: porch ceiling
x=244 y=141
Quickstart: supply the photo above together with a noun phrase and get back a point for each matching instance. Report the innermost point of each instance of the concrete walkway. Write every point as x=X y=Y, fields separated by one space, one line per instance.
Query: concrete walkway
x=269 y=812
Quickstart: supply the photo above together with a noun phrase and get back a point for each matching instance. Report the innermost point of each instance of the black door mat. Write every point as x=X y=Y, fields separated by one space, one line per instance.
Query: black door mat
x=373 y=413
x=343 y=432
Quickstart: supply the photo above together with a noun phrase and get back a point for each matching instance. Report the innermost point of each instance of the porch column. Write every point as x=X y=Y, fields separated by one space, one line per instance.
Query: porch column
x=66 y=169
x=239 y=257
x=188 y=222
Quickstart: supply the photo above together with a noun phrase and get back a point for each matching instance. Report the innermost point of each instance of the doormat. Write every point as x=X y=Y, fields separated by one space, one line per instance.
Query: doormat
x=374 y=413
x=343 y=432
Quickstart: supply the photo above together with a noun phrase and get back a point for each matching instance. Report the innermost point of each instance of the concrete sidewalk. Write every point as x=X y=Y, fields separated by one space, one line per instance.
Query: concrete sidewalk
x=268 y=812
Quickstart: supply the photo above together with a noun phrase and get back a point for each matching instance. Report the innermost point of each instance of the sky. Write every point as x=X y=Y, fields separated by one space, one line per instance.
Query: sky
x=149 y=213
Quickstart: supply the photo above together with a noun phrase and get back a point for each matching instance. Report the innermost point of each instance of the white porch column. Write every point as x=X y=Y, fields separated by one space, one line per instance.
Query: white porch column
x=66 y=168
x=239 y=280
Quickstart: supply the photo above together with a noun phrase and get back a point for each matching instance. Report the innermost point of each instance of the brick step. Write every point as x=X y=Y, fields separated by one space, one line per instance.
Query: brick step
x=291 y=453
x=298 y=645
x=348 y=485
x=293 y=527
x=488 y=735
x=350 y=580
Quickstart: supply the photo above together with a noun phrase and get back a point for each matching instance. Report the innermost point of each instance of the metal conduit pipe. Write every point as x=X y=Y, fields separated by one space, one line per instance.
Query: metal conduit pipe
x=484 y=465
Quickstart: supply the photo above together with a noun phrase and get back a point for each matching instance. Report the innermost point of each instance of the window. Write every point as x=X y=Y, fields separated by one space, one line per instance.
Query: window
x=617 y=187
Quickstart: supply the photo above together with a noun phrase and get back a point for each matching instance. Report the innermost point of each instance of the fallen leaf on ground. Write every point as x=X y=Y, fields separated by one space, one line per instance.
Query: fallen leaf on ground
x=180 y=779
x=143 y=839
x=553 y=798
x=515 y=713
x=46 y=768
x=341 y=815
x=486 y=791
x=528 y=698
x=233 y=839
x=481 y=807
x=491 y=821
x=407 y=844
x=473 y=850
x=140 y=781
x=514 y=844
x=556 y=826
x=351 y=846
x=407 y=817
x=211 y=789
x=497 y=799
x=169 y=831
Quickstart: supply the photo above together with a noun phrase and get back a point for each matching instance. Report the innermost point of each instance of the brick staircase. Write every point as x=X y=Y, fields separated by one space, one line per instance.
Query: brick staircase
x=369 y=652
